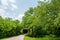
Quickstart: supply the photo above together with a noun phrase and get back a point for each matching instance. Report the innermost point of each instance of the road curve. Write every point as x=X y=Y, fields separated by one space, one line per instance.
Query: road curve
x=20 y=37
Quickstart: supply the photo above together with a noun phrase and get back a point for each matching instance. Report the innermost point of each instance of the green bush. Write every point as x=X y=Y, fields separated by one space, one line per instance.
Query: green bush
x=9 y=27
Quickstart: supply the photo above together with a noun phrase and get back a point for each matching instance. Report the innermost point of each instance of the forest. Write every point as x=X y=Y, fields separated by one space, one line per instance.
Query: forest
x=41 y=20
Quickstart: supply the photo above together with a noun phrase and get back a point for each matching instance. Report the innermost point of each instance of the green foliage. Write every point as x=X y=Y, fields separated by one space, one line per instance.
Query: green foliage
x=9 y=27
x=43 y=19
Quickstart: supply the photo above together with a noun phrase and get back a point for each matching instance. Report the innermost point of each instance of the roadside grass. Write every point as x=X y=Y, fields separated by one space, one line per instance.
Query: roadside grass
x=3 y=39
x=41 y=38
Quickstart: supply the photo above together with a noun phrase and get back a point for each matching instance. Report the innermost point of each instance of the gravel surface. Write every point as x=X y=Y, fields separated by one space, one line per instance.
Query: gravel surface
x=20 y=37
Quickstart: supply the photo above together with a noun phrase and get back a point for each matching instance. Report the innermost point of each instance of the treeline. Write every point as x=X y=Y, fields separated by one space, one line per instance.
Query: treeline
x=9 y=27
x=43 y=19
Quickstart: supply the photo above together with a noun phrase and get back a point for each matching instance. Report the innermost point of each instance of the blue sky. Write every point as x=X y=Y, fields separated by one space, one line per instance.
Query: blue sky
x=15 y=8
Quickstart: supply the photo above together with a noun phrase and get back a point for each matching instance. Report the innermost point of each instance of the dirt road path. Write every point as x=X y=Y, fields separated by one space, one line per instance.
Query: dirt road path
x=20 y=37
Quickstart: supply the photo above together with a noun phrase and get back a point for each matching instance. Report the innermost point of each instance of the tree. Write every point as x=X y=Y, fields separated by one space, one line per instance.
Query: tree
x=45 y=18
x=9 y=27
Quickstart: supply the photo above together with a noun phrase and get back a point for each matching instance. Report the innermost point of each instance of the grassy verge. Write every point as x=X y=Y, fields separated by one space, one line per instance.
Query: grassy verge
x=3 y=39
x=41 y=38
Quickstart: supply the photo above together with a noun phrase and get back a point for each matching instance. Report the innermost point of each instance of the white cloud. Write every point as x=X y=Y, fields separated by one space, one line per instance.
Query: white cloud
x=13 y=7
x=41 y=0
x=45 y=0
x=8 y=15
x=19 y=17
x=13 y=1
x=3 y=7
x=4 y=2
x=2 y=12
